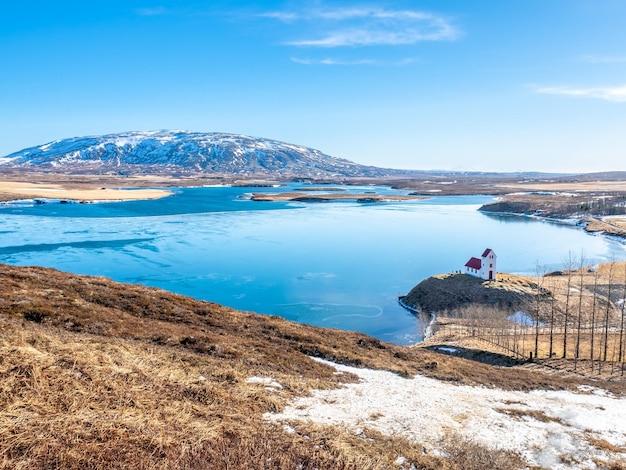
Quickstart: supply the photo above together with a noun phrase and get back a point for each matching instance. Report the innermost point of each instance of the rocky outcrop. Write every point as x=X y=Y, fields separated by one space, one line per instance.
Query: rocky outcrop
x=452 y=291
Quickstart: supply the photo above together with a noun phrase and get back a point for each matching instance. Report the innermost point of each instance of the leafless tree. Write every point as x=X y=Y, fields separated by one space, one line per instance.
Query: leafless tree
x=581 y=274
x=552 y=314
x=523 y=326
x=540 y=272
x=607 y=312
x=620 y=356
x=569 y=266
x=593 y=316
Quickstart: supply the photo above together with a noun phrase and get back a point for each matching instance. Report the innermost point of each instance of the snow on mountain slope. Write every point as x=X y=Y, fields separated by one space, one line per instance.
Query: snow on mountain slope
x=185 y=152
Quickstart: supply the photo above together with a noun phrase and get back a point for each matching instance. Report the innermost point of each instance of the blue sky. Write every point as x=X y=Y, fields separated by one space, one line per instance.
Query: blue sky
x=461 y=85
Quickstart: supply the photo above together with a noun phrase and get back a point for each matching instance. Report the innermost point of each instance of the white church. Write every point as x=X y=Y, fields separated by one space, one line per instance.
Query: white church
x=483 y=267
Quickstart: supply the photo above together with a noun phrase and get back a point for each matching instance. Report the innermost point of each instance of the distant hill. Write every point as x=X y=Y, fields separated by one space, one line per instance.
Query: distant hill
x=182 y=152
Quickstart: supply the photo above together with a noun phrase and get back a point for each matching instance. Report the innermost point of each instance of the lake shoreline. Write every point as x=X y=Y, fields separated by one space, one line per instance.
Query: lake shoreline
x=358 y=263
x=595 y=226
x=70 y=190
x=334 y=197
x=11 y=191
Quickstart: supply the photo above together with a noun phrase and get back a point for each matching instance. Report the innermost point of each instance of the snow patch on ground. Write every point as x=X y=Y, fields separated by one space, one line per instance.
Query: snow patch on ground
x=541 y=425
x=521 y=318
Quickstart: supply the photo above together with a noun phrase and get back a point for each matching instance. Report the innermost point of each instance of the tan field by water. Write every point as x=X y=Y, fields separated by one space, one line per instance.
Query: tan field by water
x=11 y=190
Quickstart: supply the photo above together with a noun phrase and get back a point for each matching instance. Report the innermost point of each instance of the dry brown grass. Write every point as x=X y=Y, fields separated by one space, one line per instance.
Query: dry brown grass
x=587 y=204
x=96 y=374
x=582 y=371
x=263 y=344
x=619 y=221
x=606 y=465
x=471 y=455
x=75 y=400
x=605 y=445
x=579 y=186
x=456 y=294
x=10 y=190
x=484 y=334
x=611 y=226
x=537 y=415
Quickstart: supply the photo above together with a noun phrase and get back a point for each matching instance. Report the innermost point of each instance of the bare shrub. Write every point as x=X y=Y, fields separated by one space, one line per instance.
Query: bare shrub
x=468 y=454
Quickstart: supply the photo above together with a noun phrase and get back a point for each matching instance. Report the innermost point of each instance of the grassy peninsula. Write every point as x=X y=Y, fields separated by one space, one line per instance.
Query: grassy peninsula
x=572 y=320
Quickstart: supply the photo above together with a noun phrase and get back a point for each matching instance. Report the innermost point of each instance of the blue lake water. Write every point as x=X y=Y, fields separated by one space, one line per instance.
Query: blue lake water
x=339 y=265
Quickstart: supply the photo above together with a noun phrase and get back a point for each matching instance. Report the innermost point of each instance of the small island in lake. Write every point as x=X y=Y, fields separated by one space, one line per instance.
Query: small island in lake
x=338 y=196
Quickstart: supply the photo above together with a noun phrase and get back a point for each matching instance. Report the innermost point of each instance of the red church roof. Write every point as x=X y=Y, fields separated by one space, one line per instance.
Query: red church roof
x=486 y=252
x=474 y=263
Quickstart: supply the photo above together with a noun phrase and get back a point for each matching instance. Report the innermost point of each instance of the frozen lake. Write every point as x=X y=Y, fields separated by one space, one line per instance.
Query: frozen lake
x=339 y=265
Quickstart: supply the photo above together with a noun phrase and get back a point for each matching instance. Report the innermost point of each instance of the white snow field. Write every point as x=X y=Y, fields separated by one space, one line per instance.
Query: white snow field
x=550 y=429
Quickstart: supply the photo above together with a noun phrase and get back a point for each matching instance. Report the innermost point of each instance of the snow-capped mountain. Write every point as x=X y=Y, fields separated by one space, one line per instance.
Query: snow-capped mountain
x=177 y=152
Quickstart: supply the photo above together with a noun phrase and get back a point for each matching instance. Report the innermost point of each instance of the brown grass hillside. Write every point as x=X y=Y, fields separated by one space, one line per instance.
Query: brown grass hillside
x=97 y=374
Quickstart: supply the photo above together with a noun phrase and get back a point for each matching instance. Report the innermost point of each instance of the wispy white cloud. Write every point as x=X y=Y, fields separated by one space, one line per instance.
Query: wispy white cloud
x=616 y=94
x=152 y=11
x=331 y=61
x=604 y=59
x=372 y=37
x=285 y=17
x=340 y=14
x=351 y=27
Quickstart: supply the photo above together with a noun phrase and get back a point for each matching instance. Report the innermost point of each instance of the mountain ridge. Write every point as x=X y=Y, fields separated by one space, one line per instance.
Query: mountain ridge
x=185 y=152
